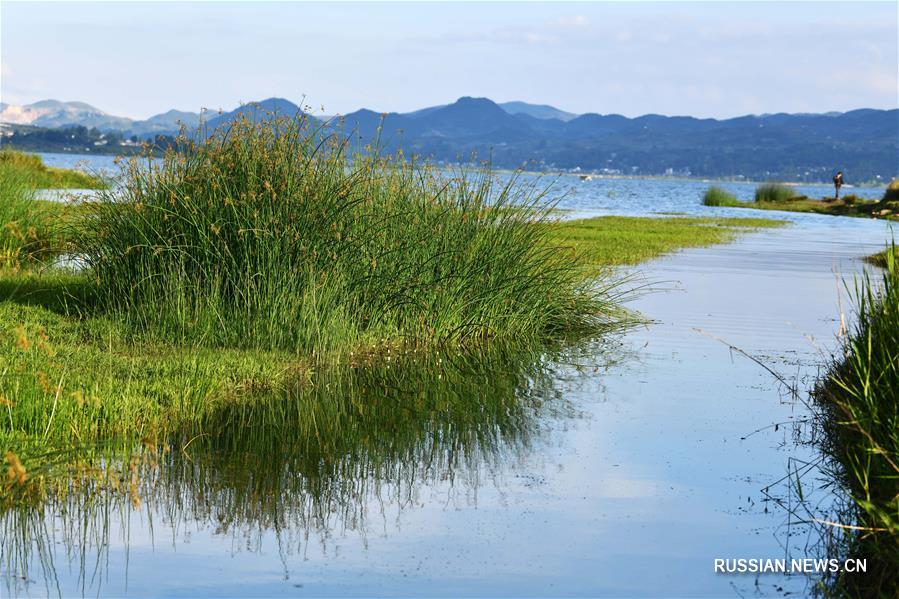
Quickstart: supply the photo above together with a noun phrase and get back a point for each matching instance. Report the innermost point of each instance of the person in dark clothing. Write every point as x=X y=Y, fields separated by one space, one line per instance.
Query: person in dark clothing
x=838 y=183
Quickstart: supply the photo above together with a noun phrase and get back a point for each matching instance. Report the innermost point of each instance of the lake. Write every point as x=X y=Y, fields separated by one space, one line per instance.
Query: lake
x=623 y=466
x=622 y=196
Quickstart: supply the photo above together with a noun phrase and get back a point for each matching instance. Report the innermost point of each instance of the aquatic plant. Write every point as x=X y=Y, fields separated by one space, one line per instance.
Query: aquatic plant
x=270 y=236
x=715 y=196
x=773 y=192
x=859 y=403
x=614 y=240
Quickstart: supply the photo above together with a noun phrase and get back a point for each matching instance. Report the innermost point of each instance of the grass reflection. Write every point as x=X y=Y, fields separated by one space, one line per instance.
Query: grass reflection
x=316 y=460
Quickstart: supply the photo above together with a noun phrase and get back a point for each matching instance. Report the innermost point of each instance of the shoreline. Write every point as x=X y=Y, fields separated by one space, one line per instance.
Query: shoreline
x=536 y=173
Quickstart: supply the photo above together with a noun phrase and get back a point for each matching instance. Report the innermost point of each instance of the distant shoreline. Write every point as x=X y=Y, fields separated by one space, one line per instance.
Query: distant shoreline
x=546 y=173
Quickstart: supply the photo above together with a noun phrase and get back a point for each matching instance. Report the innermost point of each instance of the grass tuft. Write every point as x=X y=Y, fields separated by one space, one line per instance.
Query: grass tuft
x=715 y=196
x=773 y=192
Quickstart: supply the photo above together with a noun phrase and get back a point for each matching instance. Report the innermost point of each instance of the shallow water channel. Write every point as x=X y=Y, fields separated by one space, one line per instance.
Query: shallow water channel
x=615 y=468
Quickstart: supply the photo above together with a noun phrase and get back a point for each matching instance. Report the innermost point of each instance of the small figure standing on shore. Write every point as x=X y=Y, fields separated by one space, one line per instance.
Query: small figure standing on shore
x=838 y=183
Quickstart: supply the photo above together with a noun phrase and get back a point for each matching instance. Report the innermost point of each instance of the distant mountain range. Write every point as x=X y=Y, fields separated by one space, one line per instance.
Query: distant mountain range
x=803 y=147
x=54 y=114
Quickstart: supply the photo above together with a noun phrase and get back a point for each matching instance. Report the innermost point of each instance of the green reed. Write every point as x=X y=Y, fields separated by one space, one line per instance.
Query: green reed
x=715 y=196
x=860 y=415
x=773 y=192
x=23 y=226
x=271 y=236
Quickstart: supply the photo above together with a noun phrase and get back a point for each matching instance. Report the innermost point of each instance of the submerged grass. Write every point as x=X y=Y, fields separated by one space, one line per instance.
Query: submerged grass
x=860 y=405
x=269 y=237
x=41 y=176
x=615 y=240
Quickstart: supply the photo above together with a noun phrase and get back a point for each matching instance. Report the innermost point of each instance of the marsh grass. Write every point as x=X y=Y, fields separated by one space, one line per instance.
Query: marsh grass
x=270 y=237
x=24 y=222
x=614 y=240
x=41 y=176
x=881 y=258
x=715 y=196
x=773 y=193
x=32 y=230
x=859 y=404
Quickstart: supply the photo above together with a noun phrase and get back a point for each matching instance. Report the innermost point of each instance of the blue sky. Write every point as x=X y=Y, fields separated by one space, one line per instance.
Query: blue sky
x=702 y=59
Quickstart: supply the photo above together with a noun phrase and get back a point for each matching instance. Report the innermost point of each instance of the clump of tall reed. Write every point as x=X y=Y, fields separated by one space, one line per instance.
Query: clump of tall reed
x=773 y=192
x=715 y=196
x=272 y=236
x=860 y=409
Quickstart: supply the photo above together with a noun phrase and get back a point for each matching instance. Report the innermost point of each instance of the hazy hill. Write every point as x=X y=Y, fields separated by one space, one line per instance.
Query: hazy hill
x=538 y=111
x=55 y=114
x=165 y=123
x=255 y=111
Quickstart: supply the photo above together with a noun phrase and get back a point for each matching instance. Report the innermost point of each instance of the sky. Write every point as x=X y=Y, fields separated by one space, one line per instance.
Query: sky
x=708 y=59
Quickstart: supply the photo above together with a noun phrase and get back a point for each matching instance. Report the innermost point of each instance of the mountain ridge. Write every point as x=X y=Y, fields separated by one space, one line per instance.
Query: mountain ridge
x=863 y=142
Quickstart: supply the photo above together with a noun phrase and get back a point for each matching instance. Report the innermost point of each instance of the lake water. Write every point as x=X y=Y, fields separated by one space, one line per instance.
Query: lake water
x=615 y=468
x=623 y=196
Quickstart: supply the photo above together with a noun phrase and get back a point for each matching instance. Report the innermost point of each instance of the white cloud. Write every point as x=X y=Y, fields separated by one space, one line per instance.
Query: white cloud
x=573 y=22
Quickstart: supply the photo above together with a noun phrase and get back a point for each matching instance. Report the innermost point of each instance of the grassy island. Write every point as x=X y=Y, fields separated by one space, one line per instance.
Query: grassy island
x=774 y=196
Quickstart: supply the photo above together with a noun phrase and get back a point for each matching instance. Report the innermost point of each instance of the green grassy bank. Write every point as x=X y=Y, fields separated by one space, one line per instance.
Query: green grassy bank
x=40 y=176
x=773 y=196
x=619 y=240
x=30 y=229
x=859 y=403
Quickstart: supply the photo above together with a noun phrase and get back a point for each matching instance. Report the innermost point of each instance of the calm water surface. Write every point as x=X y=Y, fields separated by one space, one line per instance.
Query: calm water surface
x=627 y=196
x=615 y=468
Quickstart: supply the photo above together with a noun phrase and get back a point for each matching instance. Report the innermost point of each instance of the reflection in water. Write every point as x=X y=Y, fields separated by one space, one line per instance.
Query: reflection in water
x=310 y=463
